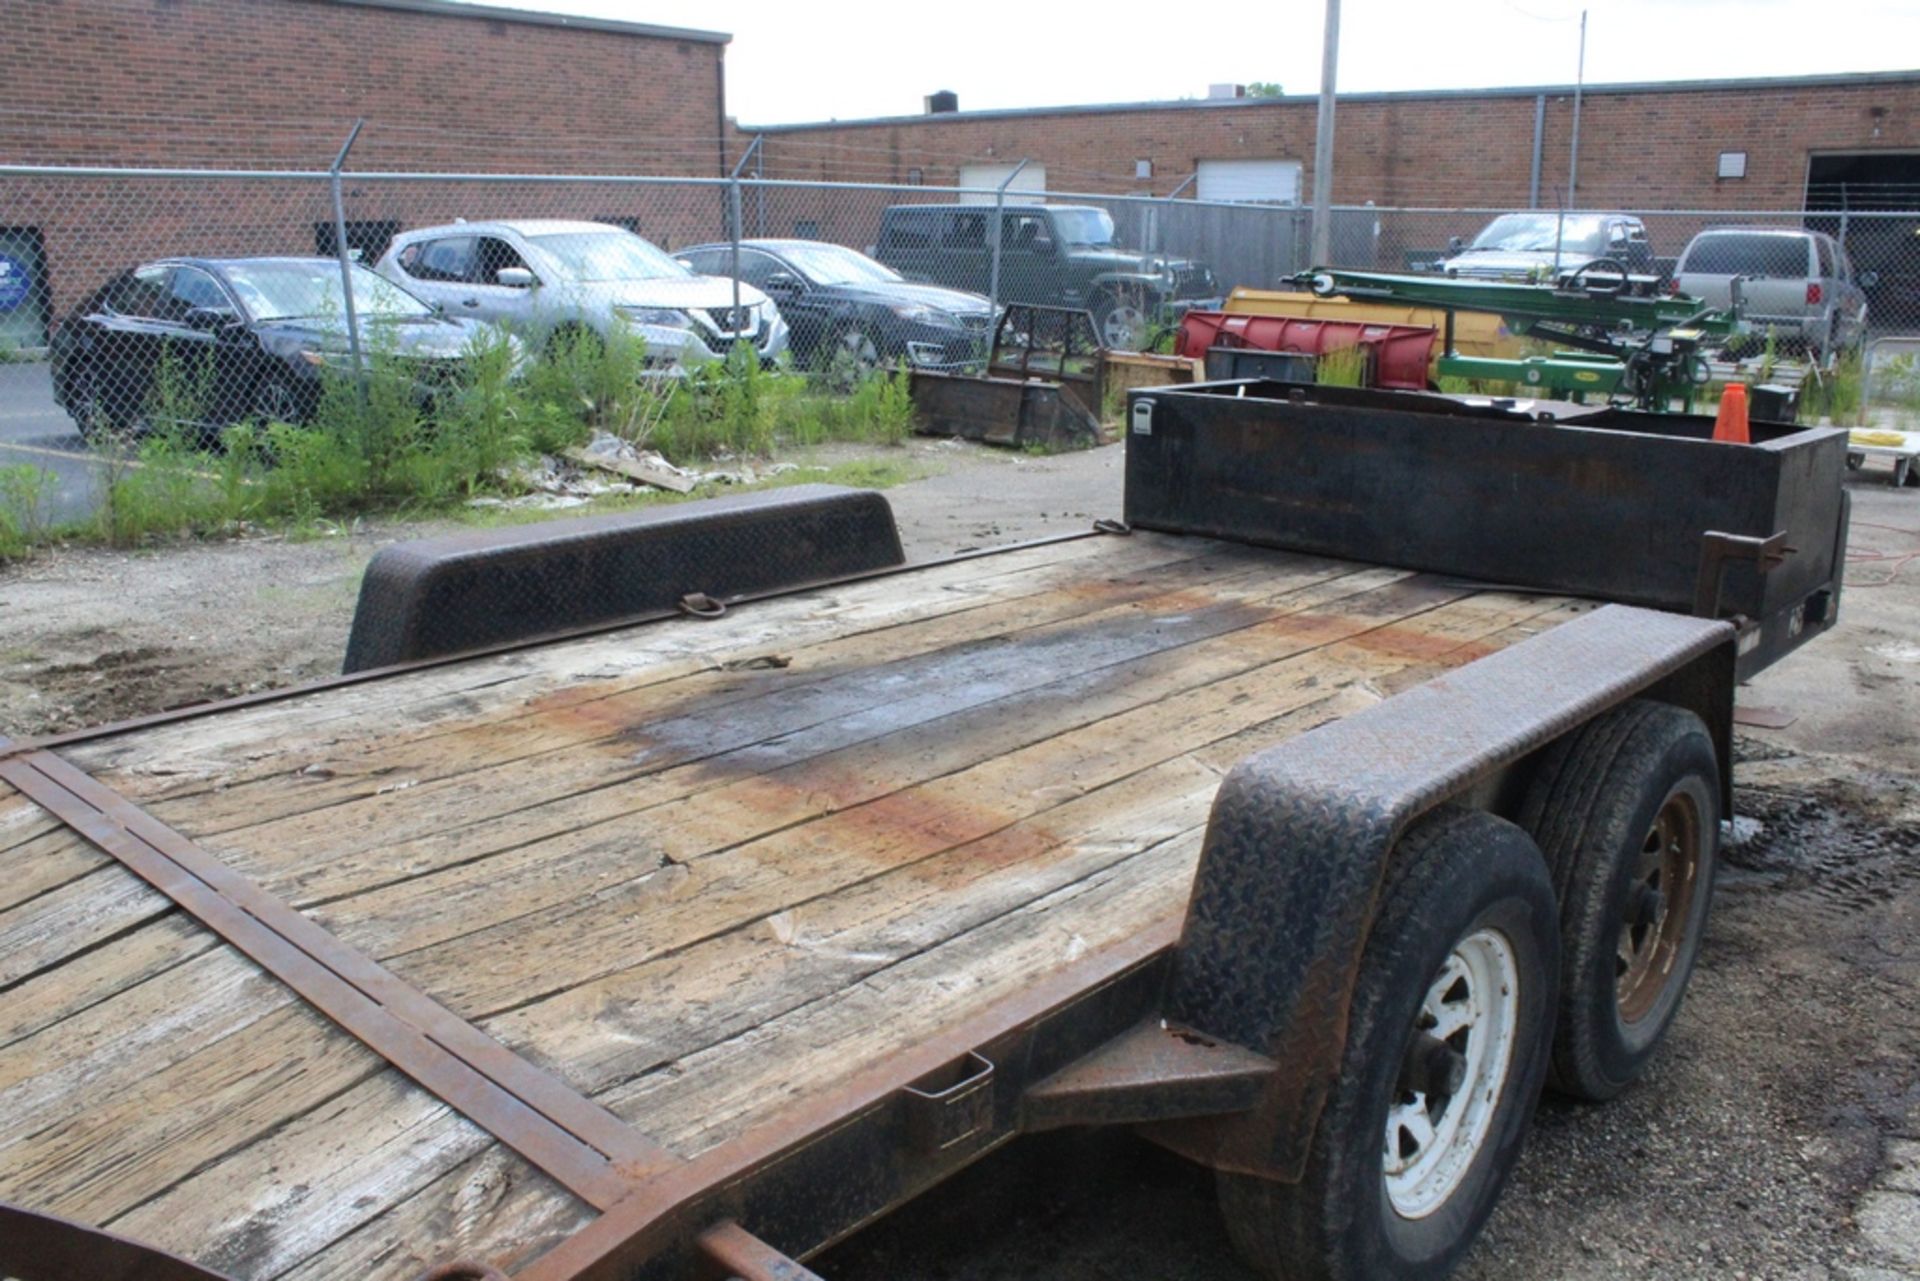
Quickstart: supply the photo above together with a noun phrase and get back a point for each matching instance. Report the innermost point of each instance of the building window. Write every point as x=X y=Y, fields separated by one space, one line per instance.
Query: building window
x=1733 y=164
x=806 y=228
x=1143 y=168
x=916 y=177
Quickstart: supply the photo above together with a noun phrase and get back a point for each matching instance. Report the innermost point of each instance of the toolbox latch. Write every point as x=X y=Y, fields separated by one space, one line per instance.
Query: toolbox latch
x=951 y=1105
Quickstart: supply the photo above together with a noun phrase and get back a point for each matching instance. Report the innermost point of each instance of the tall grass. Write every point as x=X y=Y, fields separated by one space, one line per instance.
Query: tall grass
x=24 y=491
x=1834 y=393
x=1341 y=367
x=379 y=445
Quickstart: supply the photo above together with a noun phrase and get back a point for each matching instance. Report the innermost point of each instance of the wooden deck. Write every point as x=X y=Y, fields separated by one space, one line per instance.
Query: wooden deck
x=696 y=870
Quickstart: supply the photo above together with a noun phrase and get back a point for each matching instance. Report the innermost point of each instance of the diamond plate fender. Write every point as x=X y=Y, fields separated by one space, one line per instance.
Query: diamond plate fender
x=439 y=596
x=1300 y=834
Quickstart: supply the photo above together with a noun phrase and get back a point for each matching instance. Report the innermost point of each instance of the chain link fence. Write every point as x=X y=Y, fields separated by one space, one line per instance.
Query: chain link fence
x=189 y=351
x=239 y=297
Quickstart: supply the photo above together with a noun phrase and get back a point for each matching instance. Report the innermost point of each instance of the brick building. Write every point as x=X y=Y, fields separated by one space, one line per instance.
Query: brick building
x=1650 y=145
x=1779 y=151
x=277 y=85
x=253 y=85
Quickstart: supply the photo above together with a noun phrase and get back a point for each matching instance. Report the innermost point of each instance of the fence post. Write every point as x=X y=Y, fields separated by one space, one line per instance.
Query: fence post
x=734 y=220
x=346 y=261
x=999 y=210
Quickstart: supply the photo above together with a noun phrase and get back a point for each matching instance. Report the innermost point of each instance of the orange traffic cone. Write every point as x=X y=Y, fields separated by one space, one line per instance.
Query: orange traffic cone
x=1730 y=425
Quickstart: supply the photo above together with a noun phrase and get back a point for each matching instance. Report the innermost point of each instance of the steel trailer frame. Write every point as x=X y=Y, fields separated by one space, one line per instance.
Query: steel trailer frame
x=1219 y=1051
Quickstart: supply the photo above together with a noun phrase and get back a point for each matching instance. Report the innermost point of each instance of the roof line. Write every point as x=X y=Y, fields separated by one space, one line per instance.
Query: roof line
x=1841 y=79
x=532 y=18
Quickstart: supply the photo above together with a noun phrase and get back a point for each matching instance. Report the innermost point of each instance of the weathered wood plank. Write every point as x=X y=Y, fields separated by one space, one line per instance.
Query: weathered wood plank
x=166 y=759
x=77 y=914
x=260 y=1044
x=533 y=748
x=597 y=840
x=359 y=847
x=523 y=958
x=44 y=863
x=79 y=982
x=722 y=1091
x=157 y=1129
x=491 y=1207
x=603 y=1029
x=272 y=1206
x=21 y=820
x=138 y=1033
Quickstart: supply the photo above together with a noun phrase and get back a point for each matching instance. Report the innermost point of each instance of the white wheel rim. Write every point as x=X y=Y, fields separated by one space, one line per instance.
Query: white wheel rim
x=860 y=349
x=274 y=404
x=1122 y=327
x=1472 y=1005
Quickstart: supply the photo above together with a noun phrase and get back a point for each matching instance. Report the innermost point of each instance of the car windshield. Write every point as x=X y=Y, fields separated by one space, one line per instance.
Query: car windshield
x=1747 y=254
x=834 y=265
x=302 y=288
x=1533 y=233
x=1084 y=226
x=609 y=255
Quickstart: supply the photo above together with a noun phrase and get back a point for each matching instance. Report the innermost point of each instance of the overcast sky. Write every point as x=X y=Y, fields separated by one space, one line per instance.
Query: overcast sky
x=849 y=59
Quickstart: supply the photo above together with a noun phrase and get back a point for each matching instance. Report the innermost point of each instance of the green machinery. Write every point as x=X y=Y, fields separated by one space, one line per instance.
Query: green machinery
x=1618 y=343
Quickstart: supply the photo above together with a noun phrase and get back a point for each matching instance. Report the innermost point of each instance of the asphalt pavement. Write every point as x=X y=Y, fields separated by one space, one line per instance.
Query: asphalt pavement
x=37 y=432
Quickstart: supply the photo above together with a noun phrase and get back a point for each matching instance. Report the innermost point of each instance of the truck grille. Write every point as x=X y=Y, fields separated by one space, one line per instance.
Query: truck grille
x=1193 y=281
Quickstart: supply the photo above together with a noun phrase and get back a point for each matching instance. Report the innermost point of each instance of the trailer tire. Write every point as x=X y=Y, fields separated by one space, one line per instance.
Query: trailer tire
x=1467 y=922
x=1626 y=810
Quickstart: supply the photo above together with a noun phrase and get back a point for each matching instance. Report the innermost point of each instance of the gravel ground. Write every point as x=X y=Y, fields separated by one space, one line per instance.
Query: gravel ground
x=1774 y=1138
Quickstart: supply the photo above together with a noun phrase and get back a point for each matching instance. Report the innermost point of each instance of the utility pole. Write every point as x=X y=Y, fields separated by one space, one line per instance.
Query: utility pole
x=1573 y=149
x=1323 y=142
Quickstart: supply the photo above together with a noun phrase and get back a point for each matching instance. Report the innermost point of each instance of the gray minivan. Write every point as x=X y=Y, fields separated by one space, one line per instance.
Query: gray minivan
x=1795 y=282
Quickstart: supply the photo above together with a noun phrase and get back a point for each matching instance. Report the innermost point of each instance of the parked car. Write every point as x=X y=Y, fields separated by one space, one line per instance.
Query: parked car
x=247 y=337
x=1794 y=282
x=1536 y=244
x=545 y=278
x=1060 y=255
x=844 y=308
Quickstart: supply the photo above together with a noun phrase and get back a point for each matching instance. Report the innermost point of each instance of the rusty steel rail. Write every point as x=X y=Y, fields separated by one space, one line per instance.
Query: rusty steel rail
x=584 y=1147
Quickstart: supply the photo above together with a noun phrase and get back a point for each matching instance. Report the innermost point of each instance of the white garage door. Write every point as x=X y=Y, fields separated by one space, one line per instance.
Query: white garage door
x=1031 y=182
x=1277 y=181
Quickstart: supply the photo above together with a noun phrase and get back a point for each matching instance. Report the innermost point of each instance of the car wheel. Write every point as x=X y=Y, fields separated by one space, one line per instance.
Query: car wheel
x=275 y=400
x=89 y=407
x=1446 y=1042
x=851 y=356
x=1626 y=811
x=1123 y=322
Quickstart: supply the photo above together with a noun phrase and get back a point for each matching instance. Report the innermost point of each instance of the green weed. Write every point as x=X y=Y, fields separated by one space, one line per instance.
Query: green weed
x=1834 y=393
x=389 y=443
x=23 y=509
x=1341 y=367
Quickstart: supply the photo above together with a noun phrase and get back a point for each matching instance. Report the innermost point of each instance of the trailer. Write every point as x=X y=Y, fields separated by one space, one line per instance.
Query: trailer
x=1368 y=774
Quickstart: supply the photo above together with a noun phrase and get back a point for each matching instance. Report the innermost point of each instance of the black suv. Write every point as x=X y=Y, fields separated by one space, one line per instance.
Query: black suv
x=1058 y=255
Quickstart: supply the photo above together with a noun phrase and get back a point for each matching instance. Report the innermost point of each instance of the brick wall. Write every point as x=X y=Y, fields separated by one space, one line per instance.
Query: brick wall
x=277 y=83
x=258 y=84
x=1641 y=148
